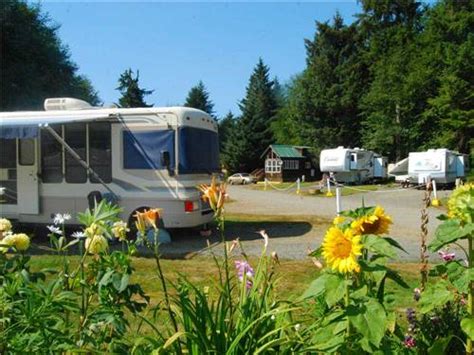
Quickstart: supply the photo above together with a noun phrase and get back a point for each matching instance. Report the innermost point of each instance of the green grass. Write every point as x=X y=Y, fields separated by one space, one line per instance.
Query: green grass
x=294 y=276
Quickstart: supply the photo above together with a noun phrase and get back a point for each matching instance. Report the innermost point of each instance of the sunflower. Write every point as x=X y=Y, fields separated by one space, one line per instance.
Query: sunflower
x=460 y=203
x=340 y=250
x=375 y=223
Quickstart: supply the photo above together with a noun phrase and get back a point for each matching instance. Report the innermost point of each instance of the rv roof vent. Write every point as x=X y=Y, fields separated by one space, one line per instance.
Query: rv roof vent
x=340 y=147
x=65 y=103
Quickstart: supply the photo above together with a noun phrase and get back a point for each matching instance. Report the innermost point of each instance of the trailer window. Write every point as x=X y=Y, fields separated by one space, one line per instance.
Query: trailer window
x=51 y=157
x=100 y=157
x=27 y=151
x=75 y=137
x=143 y=150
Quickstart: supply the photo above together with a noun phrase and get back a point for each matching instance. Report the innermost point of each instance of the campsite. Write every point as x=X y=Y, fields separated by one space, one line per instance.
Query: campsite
x=237 y=177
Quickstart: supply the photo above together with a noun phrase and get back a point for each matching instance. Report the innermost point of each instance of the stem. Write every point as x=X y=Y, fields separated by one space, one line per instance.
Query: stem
x=221 y=225
x=470 y=299
x=156 y=255
x=346 y=304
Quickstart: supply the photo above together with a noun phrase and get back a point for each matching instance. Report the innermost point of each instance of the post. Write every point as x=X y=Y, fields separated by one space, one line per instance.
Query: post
x=298 y=186
x=435 y=202
x=266 y=182
x=328 y=182
x=338 y=200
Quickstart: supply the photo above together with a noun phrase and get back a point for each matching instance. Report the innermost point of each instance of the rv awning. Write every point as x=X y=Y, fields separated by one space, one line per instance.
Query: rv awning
x=26 y=124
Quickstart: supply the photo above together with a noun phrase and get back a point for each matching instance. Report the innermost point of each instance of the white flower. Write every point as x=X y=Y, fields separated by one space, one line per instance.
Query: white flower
x=61 y=218
x=297 y=327
x=273 y=317
x=55 y=230
x=78 y=234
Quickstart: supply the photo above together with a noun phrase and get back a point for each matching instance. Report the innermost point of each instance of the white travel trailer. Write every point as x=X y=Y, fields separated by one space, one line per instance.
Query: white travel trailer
x=51 y=161
x=353 y=165
x=442 y=165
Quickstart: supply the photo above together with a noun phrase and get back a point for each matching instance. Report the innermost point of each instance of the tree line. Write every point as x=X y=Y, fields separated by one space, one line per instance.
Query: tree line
x=399 y=78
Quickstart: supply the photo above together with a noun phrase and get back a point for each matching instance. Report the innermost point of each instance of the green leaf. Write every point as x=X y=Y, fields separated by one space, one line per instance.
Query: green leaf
x=335 y=289
x=467 y=326
x=435 y=296
x=440 y=345
x=316 y=287
x=326 y=339
x=448 y=232
x=124 y=282
x=378 y=245
x=369 y=319
x=395 y=244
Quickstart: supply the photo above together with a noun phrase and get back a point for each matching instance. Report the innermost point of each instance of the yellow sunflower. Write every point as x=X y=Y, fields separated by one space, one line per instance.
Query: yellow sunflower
x=375 y=223
x=340 y=250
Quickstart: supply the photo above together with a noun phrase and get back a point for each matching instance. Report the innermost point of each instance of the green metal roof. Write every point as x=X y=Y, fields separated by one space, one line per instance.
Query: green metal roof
x=286 y=151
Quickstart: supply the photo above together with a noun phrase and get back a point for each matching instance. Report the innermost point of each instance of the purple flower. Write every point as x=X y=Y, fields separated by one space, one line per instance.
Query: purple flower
x=409 y=342
x=410 y=312
x=446 y=256
x=244 y=268
x=416 y=294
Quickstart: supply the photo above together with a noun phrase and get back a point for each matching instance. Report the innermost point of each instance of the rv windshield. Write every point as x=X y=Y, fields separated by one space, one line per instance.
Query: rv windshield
x=198 y=151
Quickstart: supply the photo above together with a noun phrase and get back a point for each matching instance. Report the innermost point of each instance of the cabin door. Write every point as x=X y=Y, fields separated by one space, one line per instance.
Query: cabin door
x=28 y=189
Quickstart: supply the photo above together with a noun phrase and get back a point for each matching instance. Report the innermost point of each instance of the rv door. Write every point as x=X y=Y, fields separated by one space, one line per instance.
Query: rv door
x=27 y=170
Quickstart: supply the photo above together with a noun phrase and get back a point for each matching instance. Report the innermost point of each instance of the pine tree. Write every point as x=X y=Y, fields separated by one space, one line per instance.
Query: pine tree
x=34 y=63
x=253 y=134
x=198 y=97
x=226 y=125
x=132 y=94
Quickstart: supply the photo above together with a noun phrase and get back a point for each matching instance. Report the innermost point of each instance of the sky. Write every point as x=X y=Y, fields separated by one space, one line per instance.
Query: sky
x=174 y=45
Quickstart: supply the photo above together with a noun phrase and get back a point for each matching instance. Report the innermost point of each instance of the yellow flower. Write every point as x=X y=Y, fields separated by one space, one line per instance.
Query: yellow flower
x=97 y=244
x=5 y=225
x=338 y=220
x=20 y=241
x=340 y=250
x=119 y=229
x=460 y=203
x=92 y=230
x=376 y=223
x=215 y=194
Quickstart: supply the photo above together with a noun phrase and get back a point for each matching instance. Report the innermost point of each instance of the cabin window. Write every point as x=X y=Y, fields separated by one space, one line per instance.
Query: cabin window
x=100 y=157
x=75 y=137
x=26 y=151
x=273 y=166
x=51 y=157
x=307 y=165
x=143 y=150
x=291 y=165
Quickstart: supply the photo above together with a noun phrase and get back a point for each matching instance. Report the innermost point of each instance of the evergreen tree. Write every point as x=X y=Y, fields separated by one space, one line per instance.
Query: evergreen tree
x=132 y=94
x=34 y=63
x=253 y=133
x=226 y=125
x=321 y=109
x=198 y=97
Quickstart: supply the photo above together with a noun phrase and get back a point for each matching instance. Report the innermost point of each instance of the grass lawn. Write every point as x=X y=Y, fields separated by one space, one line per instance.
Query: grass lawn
x=294 y=276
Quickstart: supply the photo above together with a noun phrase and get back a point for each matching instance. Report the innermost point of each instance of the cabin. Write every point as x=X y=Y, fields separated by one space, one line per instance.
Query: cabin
x=288 y=163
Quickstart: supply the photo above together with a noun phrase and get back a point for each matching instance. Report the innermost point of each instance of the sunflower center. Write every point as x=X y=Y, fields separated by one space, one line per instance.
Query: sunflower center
x=343 y=248
x=371 y=228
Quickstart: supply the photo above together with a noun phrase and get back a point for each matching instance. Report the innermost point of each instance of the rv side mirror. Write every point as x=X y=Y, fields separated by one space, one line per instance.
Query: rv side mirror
x=165 y=159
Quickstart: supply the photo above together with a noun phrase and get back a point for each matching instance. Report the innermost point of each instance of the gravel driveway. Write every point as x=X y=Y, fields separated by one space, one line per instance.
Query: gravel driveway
x=292 y=239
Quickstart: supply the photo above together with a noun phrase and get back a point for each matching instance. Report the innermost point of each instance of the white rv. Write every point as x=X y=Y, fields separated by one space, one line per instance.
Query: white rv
x=353 y=165
x=51 y=161
x=442 y=165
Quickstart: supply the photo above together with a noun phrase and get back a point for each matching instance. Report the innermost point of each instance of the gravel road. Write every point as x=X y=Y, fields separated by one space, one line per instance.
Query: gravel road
x=292 y=239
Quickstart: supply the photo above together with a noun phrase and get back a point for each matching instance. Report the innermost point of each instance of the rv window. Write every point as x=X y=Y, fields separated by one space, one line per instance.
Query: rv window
x=51 y=157
x=27 y=151
x=75 y=134
x=7 y=154
x=100 y=157
x=141 y=150
x=198 y=151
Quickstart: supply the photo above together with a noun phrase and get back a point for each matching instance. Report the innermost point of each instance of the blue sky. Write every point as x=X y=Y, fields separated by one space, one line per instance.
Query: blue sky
x=174 y=45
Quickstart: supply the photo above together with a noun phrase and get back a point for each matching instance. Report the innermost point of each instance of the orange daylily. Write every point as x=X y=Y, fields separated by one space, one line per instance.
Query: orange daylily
x=147 y=218
x=215 y=194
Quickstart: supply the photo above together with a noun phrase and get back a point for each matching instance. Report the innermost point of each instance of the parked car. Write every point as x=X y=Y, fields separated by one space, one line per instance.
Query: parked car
x=241 y=178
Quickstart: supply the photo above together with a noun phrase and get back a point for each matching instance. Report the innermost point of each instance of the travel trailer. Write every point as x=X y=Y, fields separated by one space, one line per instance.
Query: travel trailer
x=442 y=165
x=57 y=160
x=353 y=165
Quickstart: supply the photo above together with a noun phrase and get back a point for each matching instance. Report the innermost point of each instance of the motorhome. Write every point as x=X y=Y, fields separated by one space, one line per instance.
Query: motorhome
x=54 y=160
x=442 y=165
x=353 y=165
